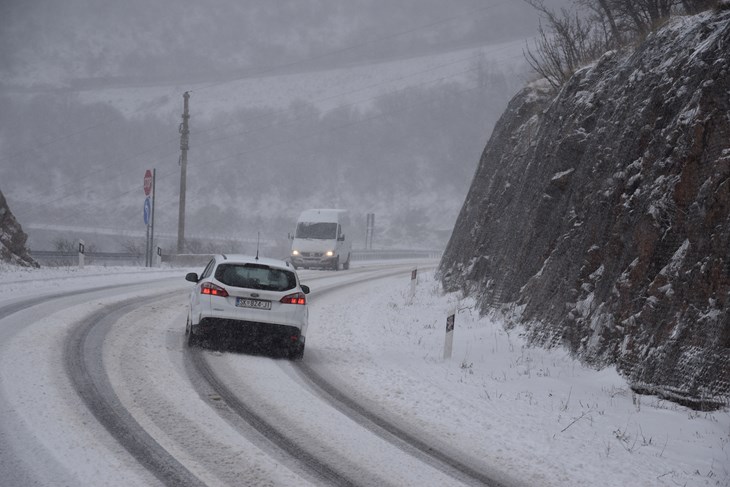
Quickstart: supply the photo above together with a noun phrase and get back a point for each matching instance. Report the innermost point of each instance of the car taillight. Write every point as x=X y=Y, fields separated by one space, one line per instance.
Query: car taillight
x=213 y=290
x=296 y=298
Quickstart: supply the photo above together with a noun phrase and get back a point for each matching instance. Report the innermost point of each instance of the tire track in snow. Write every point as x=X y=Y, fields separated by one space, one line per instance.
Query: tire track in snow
x=12 y=466
x=208 y=383
x=386 y=429
x=84 y=364
x=207 y=380
x=394 y=434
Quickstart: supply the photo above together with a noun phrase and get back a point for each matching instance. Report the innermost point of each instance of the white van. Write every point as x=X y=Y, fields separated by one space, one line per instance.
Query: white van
x=322 y=239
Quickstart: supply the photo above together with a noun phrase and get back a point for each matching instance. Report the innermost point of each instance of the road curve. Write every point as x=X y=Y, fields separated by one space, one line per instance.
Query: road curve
x=211 y=424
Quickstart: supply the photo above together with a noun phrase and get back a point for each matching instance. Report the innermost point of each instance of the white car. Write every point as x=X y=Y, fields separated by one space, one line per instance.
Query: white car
x=249 y=300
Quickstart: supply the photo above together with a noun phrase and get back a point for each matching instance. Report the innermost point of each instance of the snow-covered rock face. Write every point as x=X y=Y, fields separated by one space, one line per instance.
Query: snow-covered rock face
x=12 y=238
x=602 y=213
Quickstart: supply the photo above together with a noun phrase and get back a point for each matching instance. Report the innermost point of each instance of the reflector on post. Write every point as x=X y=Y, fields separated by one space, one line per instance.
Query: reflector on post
x=449 y=340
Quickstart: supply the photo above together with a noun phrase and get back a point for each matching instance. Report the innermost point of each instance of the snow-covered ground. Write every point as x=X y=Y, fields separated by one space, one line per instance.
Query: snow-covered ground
x=357 y=85
x=535 y=415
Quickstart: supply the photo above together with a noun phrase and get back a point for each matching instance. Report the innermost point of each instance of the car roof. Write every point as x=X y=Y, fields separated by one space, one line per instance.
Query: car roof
x=249 y=259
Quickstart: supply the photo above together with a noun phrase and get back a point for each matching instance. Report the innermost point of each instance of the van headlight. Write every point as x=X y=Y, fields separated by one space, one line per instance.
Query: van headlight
x=329 y=253
x=294 y=252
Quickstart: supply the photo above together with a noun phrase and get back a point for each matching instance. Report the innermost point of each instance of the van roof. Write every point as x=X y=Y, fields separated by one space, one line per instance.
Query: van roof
x=322 y=215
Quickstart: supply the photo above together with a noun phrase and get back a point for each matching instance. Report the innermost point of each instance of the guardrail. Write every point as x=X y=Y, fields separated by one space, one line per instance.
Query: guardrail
x=52 y=258
x=395 y=254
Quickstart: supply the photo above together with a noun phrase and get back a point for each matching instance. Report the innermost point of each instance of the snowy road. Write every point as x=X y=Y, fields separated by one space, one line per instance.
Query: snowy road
x=98 y=387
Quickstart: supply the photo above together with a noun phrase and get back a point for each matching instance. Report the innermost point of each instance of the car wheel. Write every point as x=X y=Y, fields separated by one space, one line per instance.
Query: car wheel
x=297 y=351
x=193 y=339
x=346 y=265
x=336 y=265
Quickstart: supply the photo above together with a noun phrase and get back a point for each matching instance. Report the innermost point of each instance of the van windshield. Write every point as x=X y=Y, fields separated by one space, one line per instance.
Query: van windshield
x=320 y=230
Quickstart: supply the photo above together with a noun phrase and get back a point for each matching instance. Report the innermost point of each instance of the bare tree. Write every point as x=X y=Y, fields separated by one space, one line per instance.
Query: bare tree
x=636 y=18
x=132 y=246
x=573 y=39
x=572 y=42
x=61 y=244
x=696 y=6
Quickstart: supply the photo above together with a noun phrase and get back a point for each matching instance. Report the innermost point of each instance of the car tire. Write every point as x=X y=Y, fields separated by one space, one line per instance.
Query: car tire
x=297 y=351
x=192 y=338
x=336 y=265
x=346 y=265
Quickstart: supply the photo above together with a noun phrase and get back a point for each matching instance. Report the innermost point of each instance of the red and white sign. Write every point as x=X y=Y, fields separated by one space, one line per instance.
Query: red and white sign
x=147 y=182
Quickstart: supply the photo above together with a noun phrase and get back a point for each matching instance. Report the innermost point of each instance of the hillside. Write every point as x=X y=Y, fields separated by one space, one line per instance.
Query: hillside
x=394 y=139
x=74 y=43
x=599 y=218
x=12 y=239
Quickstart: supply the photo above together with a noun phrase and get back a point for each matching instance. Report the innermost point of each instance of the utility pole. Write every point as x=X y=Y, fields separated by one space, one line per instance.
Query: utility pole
x=369 y=230
x=184 y=136
x=152 y=219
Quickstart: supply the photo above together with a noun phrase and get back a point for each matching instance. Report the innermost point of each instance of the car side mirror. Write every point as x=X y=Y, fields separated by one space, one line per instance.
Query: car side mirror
x=192 y=277
x=341 y=238
x=289 y=236
x=305 y=288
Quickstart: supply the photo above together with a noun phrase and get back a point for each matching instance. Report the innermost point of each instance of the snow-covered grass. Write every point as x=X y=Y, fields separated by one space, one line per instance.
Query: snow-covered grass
x=15 y=280
x=537 y=415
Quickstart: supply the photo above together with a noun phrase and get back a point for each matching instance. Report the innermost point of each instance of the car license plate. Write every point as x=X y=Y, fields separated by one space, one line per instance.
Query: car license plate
x=253 y=303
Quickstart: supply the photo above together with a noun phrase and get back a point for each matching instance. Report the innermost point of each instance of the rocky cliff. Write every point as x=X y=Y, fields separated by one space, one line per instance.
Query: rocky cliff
x=599 y=217
x=12 y=238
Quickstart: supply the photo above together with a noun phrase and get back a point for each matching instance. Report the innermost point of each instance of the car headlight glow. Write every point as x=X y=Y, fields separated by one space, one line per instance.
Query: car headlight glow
x=329 y=253
x=294 y=252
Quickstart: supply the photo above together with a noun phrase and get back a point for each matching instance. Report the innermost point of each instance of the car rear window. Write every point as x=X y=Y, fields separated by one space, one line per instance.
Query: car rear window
x=256 y=276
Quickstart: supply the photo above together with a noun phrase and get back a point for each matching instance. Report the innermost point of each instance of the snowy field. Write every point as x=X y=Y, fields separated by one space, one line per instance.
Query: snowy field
x=534 y=416
x=356 y=85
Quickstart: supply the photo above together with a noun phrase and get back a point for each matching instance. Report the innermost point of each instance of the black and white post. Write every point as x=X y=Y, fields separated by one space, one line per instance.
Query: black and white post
x=449 y=341
x=414 y=281
x=82 y=251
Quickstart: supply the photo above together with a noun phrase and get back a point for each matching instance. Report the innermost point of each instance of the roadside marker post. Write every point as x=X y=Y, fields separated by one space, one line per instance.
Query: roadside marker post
x=414 y=280
x=449 y=340
x=82 y=250
x=159 y=257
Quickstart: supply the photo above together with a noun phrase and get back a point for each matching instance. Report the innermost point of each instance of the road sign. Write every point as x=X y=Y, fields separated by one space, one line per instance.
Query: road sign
x=147 y=182
x=147 y=210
